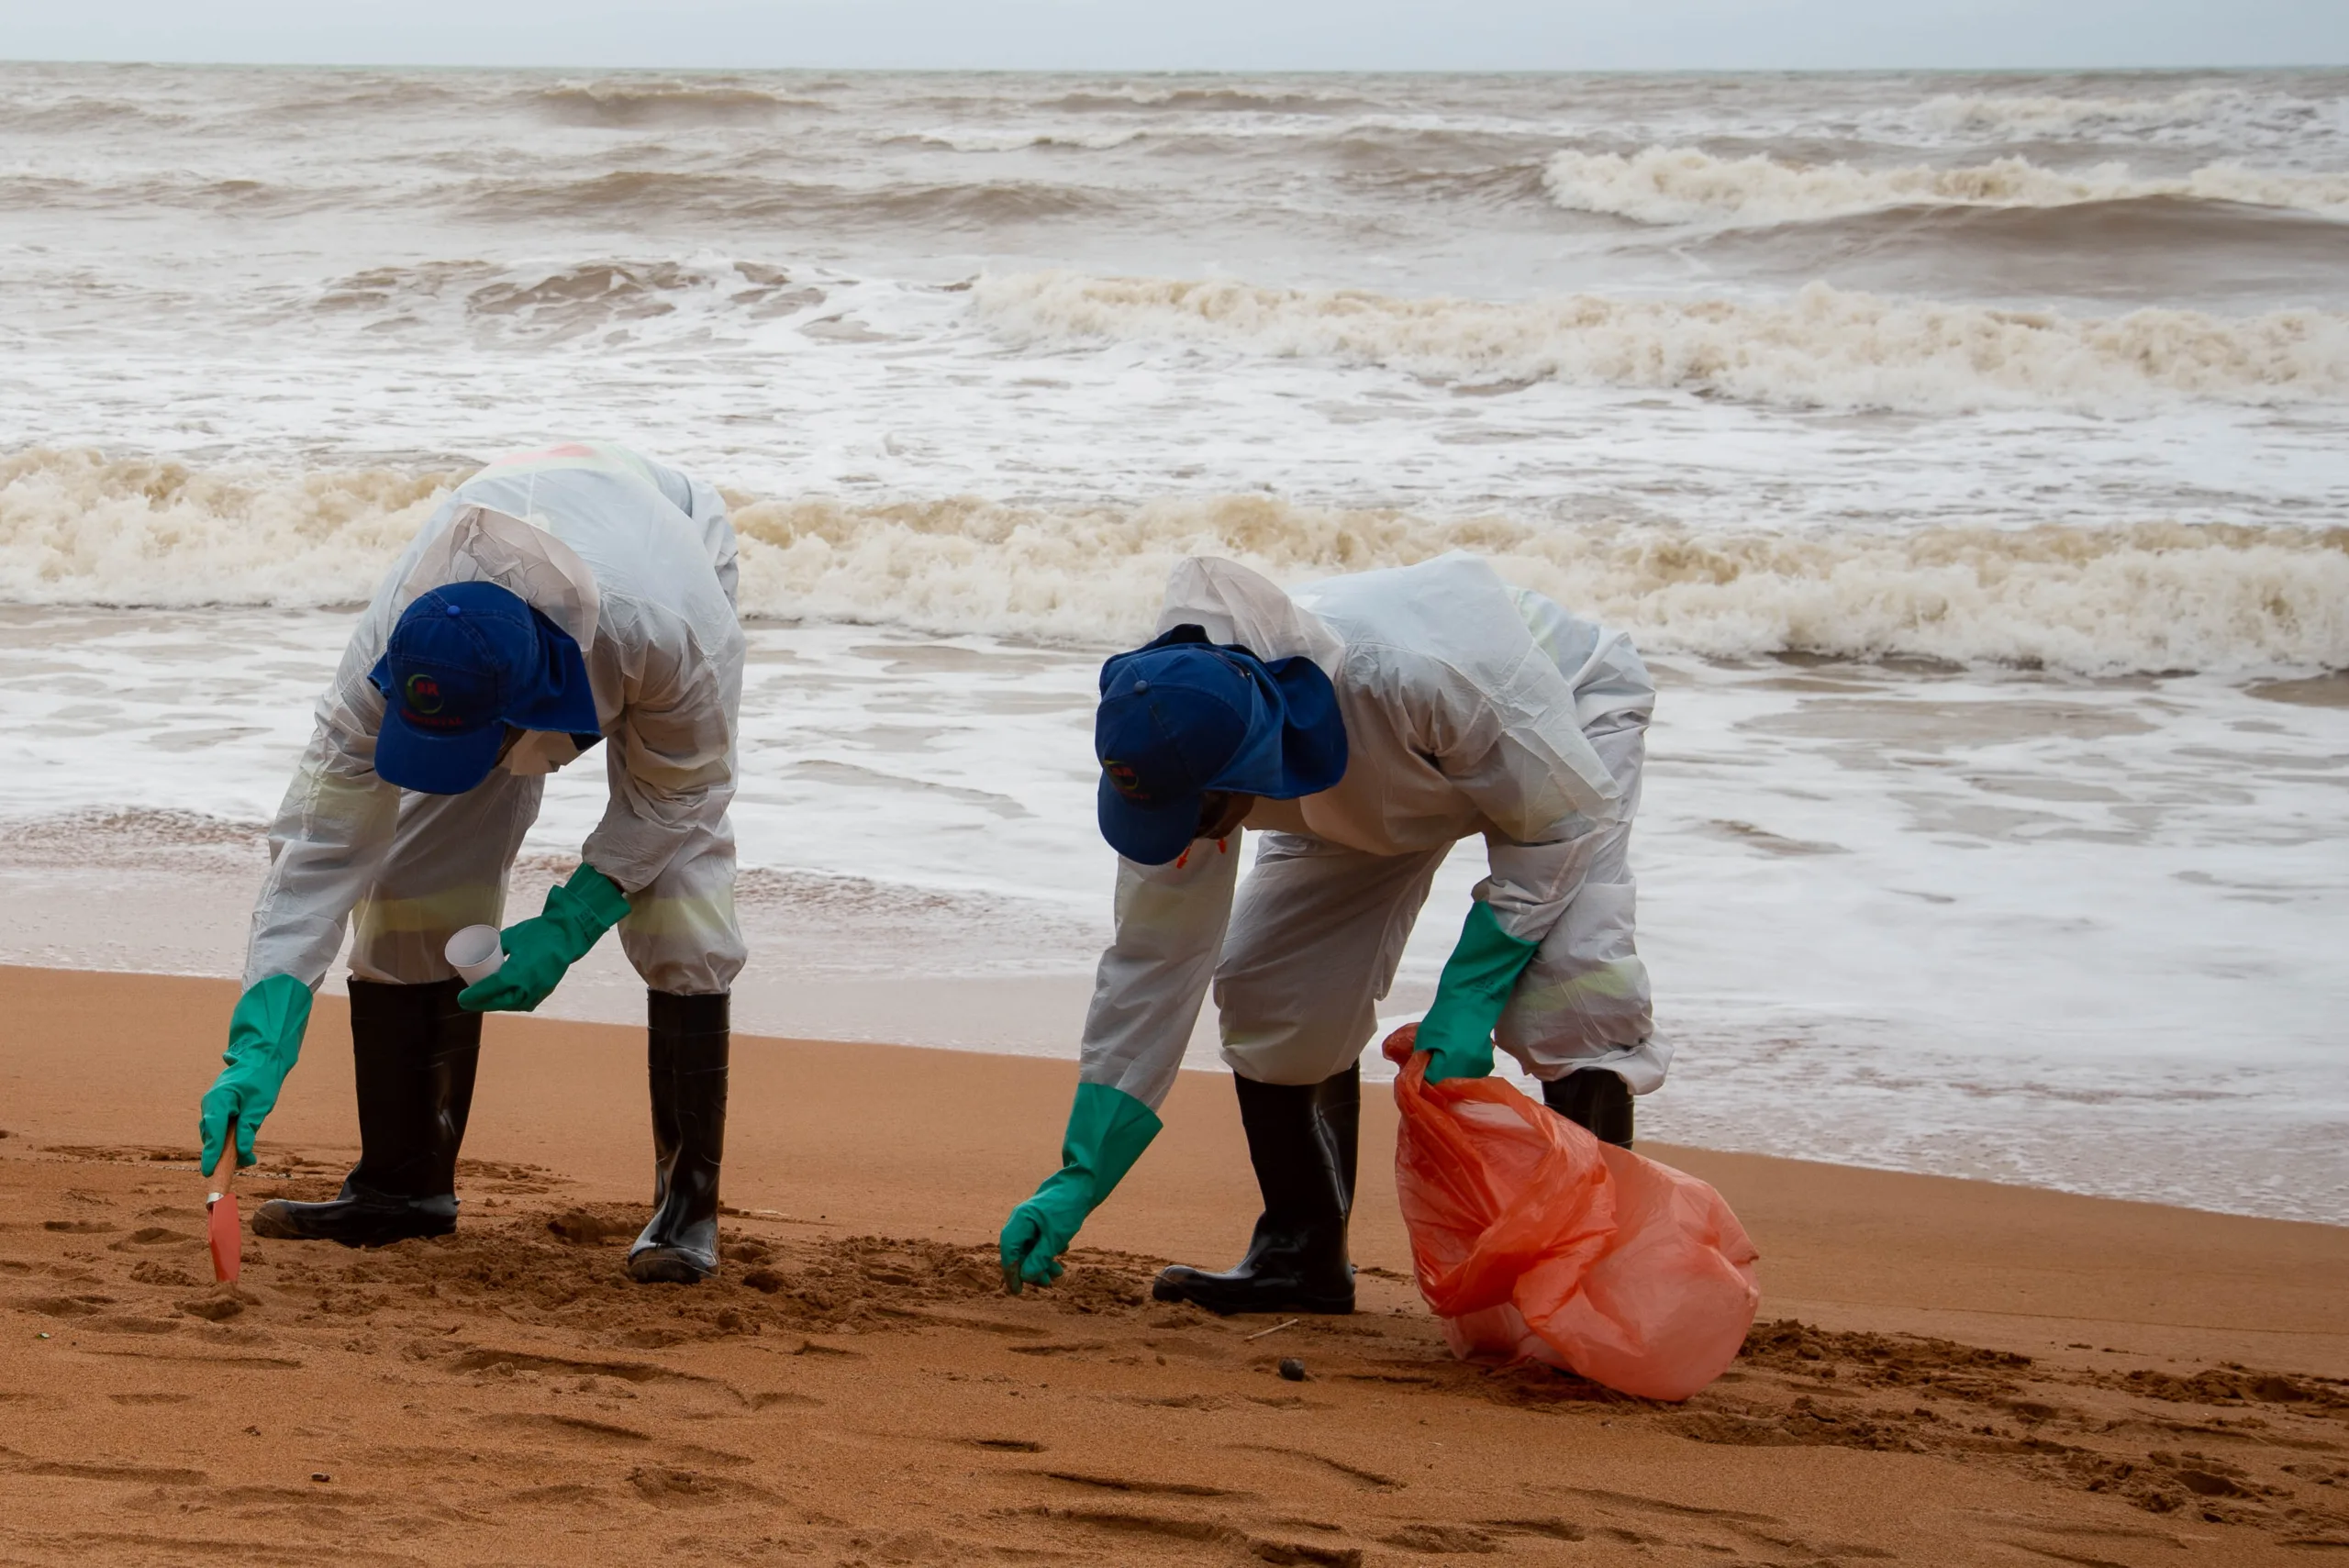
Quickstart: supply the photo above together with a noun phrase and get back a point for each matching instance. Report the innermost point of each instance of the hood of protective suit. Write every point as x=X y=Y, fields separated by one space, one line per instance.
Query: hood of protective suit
x=1456 y=719
x=1233 y=605
x=481 y=545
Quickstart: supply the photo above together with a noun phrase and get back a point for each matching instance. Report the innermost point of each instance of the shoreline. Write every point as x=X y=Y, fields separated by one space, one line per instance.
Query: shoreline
x=1911 y=923
x=615 y=989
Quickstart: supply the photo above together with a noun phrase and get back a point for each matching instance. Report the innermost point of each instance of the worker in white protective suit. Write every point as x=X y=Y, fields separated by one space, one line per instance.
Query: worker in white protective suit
x=1364 y=725
x=555 y=601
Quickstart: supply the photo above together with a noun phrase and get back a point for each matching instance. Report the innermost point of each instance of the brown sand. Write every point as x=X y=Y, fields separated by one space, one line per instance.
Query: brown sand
x=1946 y=1373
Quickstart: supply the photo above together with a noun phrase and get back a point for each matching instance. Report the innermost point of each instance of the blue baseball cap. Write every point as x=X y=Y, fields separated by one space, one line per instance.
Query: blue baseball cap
x=462 y=664
x=1183 y=717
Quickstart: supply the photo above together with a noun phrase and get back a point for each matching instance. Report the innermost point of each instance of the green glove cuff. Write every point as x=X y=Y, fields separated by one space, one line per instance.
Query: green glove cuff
x=1108 y=1130
x=586 y=908
x=1472 y=996
x=264 y=1042
x=268 y=1023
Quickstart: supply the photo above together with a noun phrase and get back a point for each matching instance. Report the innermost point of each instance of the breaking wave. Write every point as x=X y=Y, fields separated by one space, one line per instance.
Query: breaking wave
x=1821 y=348
x=542 y=304
x=76 y=528
x=1685 y=185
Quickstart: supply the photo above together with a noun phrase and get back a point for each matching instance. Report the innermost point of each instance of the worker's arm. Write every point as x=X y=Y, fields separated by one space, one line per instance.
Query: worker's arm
x=1586 y=984
x=1511 y=744
x=1146 y=997
x=1155 y=973
x=329 y=839
x=669 y=761
x=670 y=753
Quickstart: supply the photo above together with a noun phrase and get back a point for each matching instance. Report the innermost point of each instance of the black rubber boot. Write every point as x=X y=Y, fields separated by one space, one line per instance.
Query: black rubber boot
x=413 y=1053
x=1596 y=1098
x=1302 y=1139
x=687 y=1052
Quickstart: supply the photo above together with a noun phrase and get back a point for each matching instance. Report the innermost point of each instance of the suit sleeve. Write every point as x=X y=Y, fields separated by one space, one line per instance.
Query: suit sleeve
x=333 y=828
x=1514 y=747
x=1155 y=974
x=669 y=757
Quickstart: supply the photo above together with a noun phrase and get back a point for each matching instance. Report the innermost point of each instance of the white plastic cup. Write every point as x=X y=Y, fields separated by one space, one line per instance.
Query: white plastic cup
x=475 y=953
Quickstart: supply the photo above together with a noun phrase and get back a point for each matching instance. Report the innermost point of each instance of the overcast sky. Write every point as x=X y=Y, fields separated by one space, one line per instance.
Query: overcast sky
x=1174 y=34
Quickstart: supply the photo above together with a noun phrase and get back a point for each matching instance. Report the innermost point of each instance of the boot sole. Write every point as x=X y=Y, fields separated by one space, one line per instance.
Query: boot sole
x=662 y=1266
x=275 y=1227
x=1236 y=1305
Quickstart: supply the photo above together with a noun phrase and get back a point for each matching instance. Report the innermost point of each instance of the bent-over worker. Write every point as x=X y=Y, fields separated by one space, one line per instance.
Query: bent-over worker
x=555 y=601
x=1364 y=725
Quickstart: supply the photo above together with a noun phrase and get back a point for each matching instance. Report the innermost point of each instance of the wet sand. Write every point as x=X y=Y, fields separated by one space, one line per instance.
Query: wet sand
x=1945 y=1372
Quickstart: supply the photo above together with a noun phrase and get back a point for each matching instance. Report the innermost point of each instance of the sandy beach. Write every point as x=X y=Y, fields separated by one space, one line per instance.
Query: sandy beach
x=1943 y=1371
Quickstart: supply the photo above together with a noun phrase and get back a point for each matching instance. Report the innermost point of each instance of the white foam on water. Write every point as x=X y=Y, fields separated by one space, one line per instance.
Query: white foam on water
x=1687 y=184
x=78 y=528
x=2194 y=117
x=2041 y=113
x=1821 y=348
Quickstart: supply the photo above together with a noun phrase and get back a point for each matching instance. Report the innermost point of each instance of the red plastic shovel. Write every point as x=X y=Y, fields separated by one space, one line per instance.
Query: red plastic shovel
x=220 y=1216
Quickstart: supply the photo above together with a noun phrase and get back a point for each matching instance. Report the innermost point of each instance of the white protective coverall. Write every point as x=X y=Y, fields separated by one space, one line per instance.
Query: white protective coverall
x=637 y=562
x=1470 y=706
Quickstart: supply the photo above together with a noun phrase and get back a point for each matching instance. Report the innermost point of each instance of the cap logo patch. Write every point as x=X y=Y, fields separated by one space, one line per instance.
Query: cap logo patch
x=423 y=695
x=1125 y=781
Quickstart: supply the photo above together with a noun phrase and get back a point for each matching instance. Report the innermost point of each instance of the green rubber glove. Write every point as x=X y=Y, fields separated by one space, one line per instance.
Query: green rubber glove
x=1470 y=998
x=264 y=1038
x=1108 y=1130
x=540 y=949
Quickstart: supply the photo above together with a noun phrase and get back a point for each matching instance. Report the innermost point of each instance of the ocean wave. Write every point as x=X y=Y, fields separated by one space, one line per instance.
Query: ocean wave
x=735 y=199
x=235 y=196
x=550 y=302
x=1014 y=138
x=1218 y=99
x=1821 y=348
x=1420 y=166
x=666 y=103
x=85 y=113
x=77 y=528
x=2015 y=116
x=1687 y=185
x=309 y=98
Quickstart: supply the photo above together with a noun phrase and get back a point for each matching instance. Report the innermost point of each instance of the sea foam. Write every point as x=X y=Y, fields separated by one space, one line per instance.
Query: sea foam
x=78 y=528
x=1821 y=347
x=1687 y=185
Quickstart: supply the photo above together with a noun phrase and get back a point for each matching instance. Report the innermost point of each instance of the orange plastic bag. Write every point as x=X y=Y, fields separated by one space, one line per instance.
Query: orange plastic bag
x=1533 y=1240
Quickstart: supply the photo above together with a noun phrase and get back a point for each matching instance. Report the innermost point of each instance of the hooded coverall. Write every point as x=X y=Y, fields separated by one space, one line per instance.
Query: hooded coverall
x=636 y=562
x=1470 y=707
